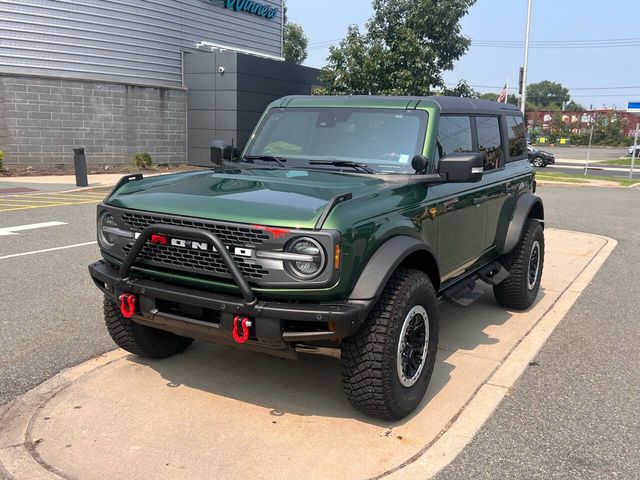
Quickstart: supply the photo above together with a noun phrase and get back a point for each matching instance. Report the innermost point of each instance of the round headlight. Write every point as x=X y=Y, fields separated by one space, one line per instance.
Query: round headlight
x=312 y=261
x=105 y=223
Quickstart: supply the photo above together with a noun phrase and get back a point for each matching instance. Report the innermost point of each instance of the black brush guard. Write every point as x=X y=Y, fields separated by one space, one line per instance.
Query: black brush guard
x=271 y=317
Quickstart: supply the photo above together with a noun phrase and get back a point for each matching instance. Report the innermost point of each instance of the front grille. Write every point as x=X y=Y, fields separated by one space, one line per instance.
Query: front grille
x=197 y=261
x=208 y=263
x=229 y=234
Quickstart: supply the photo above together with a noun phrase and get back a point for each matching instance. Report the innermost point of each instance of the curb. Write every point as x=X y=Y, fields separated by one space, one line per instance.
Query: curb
x=451 y=441
x=18 y=451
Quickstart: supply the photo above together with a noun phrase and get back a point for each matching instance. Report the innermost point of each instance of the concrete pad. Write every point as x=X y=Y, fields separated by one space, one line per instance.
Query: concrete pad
x=216 y=412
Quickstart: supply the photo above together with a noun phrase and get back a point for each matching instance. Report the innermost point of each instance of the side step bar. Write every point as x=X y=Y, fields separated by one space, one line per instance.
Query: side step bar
x=464 y=294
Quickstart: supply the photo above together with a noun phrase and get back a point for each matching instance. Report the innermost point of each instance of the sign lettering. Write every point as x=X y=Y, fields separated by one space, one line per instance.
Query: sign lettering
x=252 y=7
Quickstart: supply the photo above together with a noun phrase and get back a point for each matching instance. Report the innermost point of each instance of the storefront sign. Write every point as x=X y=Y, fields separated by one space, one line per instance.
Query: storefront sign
x=252 y=7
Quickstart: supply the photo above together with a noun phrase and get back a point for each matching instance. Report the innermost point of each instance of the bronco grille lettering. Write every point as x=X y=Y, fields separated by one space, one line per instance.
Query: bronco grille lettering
x=193 y=245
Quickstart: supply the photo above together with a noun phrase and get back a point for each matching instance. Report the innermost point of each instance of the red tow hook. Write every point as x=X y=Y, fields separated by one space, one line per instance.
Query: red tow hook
x=127 y=305
x=244 y=324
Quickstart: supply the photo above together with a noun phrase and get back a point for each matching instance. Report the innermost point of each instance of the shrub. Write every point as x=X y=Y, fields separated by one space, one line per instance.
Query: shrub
x=1 y=160
x=143 y=160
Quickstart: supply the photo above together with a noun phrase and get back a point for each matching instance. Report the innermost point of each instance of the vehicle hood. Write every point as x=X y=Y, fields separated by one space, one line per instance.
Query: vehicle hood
x=277 y=197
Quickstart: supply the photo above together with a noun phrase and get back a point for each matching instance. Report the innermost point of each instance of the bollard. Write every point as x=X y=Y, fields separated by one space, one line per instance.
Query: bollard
x=80 y=167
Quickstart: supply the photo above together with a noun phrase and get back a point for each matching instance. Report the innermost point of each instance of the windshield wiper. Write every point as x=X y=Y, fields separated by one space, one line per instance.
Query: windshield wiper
x=267 y=158
x=361 y=167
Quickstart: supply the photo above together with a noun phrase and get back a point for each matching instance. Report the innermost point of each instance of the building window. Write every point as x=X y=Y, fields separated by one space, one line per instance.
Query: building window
x=489 y=141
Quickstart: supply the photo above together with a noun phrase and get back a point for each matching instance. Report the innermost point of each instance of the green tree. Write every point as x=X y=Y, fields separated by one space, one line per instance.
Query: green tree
x=547 y=95
x=296 y=43
x=512 y=99
x=462 y=89
x=573 y=106
x=405 y=50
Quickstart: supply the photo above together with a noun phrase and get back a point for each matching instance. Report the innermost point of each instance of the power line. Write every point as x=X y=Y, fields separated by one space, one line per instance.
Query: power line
x=568 y=88
x=545 y=44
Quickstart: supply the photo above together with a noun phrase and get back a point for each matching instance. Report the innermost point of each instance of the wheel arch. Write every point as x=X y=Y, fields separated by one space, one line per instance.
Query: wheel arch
x=398 y=251
x=527 y=206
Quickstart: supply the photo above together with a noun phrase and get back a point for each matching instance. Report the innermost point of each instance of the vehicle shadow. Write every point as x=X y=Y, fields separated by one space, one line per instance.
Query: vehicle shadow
x=312 y=385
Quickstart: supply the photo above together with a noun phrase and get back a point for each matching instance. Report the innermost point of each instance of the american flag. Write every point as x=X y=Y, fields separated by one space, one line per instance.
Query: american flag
x=502 y=98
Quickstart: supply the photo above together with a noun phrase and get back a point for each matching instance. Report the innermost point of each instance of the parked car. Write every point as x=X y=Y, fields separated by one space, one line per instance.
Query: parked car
x=630 y=150
x=336 y=231
x=540 y=158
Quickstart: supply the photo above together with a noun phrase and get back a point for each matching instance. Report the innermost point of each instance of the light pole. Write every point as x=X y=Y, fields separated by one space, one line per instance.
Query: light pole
x=523 y=99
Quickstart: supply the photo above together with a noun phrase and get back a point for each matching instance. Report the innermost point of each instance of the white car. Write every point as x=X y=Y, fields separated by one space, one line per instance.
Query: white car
x=630 y=150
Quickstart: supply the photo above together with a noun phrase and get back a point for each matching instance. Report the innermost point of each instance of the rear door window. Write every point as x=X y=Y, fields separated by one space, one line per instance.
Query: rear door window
x=517 y=137
x=489 y=141
x=454 y=135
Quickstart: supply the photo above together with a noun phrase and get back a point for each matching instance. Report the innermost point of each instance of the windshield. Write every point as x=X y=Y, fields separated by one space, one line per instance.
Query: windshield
x=384 y=139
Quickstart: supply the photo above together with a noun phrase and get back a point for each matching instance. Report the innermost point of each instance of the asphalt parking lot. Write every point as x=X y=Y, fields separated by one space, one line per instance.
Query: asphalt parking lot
x=572 y=160
x=584 y=380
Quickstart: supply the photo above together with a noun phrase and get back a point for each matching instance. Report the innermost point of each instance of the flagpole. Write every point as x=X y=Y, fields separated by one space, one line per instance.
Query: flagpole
x=525 y=69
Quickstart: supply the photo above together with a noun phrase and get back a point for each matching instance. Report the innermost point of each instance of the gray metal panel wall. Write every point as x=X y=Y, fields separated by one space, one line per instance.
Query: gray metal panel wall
x=227 y=105
x=130 y=41
x=261 y=81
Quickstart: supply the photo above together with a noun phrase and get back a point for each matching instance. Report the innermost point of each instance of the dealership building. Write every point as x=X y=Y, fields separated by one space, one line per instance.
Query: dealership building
x=119 y=77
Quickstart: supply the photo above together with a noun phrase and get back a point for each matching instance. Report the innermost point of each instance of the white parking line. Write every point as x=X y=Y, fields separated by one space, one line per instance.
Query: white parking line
x=12 y=230
x=48 y=250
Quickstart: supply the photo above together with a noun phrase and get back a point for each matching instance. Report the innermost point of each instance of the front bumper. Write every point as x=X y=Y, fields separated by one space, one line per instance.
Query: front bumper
x=209 y=316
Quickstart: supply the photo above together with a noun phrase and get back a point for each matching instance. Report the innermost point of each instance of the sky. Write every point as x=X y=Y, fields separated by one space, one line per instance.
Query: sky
x=589 y=73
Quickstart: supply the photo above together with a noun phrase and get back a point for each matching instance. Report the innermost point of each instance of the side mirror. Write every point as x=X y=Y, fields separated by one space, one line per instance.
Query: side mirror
x=221 y=152
x=465 y=167
x=419 y=163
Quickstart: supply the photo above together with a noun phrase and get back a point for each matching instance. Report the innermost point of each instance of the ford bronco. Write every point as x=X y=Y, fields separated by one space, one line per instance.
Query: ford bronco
x=337 y=230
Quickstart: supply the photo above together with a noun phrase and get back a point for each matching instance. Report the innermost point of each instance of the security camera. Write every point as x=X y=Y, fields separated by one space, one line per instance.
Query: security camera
x=221 y=69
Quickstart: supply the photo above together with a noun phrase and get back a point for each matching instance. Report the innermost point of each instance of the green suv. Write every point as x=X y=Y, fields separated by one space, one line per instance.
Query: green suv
x=336 y=231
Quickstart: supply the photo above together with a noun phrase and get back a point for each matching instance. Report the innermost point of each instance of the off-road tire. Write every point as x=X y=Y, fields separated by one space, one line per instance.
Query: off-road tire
x=140 y=339
x=369 y=370
x=515 y=292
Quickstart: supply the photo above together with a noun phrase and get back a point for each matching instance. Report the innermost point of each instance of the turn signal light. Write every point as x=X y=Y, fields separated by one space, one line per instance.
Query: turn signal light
x=336 y=257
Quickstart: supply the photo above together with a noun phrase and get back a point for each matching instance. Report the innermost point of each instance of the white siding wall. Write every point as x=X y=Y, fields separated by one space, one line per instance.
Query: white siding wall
x=137 y=41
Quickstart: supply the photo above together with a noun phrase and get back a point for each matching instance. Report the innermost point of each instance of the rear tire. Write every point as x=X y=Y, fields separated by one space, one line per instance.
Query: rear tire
x=525 y=264
x=140 y=339
x=387 y=365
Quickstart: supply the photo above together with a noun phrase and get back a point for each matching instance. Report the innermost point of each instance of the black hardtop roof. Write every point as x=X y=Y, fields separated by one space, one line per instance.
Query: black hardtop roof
x=472 y=105
x=447 y=105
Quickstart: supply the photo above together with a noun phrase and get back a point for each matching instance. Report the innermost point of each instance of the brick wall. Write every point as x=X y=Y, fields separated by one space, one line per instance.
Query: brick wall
x=42 y=120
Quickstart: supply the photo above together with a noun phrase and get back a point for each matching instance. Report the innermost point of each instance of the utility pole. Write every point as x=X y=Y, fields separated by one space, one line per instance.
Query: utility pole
x=586 y=167
x=633 y=154
x=523 y=99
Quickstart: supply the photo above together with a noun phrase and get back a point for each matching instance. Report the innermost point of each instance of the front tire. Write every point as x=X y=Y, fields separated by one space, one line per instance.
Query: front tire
x=140 y=339
x=387 y=365
x=525 y=264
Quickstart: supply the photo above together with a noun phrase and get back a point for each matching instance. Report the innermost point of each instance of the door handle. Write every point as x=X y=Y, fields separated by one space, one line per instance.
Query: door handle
x=480 y=200
x=450 y=203
x=511 y=188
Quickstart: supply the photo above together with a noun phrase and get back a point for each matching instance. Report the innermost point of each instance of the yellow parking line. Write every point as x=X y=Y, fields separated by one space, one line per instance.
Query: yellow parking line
x=56 y=197
x=12 y=204
x=44 y=206
x=20 y=200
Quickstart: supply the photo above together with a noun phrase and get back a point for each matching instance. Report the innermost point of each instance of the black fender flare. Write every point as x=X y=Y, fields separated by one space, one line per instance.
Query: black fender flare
x=383 y=263
x=525 y=204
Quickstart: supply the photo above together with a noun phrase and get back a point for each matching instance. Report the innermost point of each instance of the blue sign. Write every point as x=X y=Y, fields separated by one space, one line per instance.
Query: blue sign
x=633 y=107
x=252 y=7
